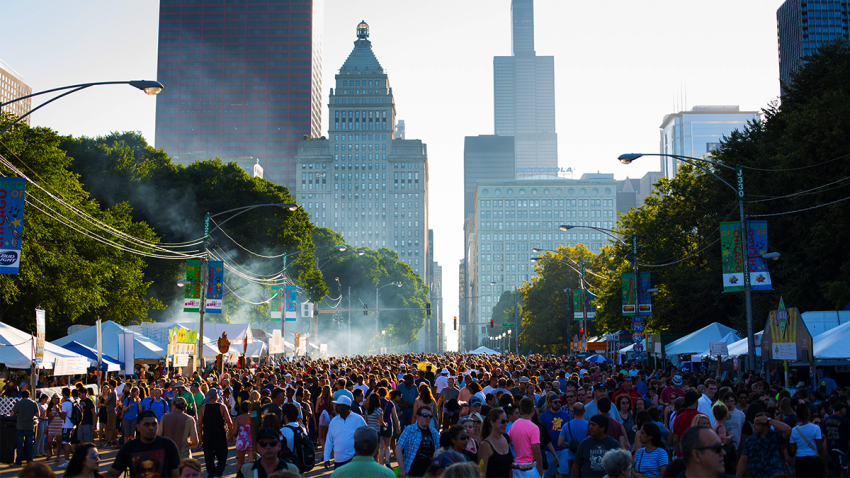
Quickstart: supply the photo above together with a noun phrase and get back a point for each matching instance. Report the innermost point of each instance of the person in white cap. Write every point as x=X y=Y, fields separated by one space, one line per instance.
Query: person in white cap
x=442 y=380
x=341 y=430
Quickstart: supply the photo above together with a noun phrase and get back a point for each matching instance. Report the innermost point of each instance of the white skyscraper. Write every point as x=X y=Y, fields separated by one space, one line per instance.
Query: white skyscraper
x=362 y=181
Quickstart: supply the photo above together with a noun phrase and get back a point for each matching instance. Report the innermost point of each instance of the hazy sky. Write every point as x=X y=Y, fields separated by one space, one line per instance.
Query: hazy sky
x=621 y=65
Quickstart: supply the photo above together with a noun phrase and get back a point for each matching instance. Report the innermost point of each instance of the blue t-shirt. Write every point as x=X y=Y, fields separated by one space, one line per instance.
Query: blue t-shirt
x=650 y=463
x=575 y=430
x=563 y=382
x=131 y=411
x=764 y=454
x=554 y=422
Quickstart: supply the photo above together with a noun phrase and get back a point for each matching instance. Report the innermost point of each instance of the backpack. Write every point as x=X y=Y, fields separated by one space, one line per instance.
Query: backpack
x=303 y=453
x=76 y=413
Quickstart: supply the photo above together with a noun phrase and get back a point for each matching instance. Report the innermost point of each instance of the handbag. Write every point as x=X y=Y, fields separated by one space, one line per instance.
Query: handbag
x=573 y=447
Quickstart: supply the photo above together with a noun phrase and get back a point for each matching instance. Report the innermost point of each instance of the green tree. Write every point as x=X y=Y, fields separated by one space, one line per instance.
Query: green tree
x=73 y=277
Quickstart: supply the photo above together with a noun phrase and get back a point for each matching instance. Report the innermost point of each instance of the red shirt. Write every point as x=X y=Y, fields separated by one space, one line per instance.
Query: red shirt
x=681 y=423
x=633 y=394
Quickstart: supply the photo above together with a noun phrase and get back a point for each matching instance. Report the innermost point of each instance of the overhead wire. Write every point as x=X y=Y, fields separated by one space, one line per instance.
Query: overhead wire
x=795 y=169
x=808 y=191
x=800 y=210
x=218 y=228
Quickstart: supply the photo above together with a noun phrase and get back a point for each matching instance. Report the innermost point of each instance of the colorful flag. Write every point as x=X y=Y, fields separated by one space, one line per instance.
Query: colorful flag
x=291 y=311
x=275 y=308
x=215 y=286
x=579 y=306
x=756 y=247
x=12 y=195
x=731 y=248
x=192 y=297
x=627 y=281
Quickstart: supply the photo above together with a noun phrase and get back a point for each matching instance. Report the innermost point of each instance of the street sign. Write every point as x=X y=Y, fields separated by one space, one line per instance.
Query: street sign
x=637 y=337
x=638 y=327
x=638 y=348
x=508 y=324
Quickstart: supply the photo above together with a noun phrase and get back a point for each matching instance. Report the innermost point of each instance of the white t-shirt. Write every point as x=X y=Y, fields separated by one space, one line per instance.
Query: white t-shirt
x=810 y=432
x=441 y=382
x=67 y=407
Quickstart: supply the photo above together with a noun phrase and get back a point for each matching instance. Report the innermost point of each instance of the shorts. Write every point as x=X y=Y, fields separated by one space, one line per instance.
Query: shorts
x=67 y=435
x=386 y=432
x=532 y=473
x=84 y=433
x=563 y=463
x=111 y=417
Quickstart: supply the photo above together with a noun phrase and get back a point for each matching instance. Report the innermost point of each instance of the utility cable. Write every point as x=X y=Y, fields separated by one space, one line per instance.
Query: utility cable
x=796 y=169
x=800 y=210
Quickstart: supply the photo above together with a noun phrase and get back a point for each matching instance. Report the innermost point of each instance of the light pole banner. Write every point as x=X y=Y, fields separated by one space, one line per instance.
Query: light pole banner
x=627 y=281
x=274 y=308
x=579 y=306
x=12 y=196
x=291 y=311
x=192 y=296
x=39 y=340
x=756 y=247
x=732 y=260
x=215 y=284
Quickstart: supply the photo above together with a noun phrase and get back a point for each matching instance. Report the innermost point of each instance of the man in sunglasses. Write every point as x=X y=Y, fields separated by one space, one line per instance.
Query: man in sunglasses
x=416 y=445
x=268 y=445
x=147 y=454
x=554 y=420
x=703 y=454
x=762 y=452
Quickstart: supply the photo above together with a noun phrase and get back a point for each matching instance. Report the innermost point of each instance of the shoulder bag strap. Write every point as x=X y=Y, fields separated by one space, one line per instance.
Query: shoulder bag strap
x=797 y=427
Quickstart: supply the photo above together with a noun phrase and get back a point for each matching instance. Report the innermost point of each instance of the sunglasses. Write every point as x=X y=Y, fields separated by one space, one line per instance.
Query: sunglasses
x=426 y=416
x=95 y=456
x=504 y=421
x=463 y=437
x=717 y=448
x=571 y=396
x=265 y=444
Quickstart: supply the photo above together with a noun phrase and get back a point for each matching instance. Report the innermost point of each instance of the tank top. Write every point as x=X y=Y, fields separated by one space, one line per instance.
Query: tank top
x=499 y=466
x=176 y=426
x=215 y=435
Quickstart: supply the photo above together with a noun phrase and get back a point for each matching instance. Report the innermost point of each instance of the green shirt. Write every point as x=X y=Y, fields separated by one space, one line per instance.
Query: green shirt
x=199 y=399
x=190 y=401
x=363 y=467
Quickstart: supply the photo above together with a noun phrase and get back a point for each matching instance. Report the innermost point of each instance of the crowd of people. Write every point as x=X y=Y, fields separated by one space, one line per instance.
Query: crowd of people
x=452 y=415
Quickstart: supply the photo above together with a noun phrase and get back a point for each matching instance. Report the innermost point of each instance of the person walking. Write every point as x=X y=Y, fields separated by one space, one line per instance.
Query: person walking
x=147 y=454
x=496 y=456
x=41 y=430
x=130 y=408
x=54 y=429
x=703 y=454
x=571 y=437
x=525 y=436
x=85 y=430
x=762 y=453
x=555 y=419
x=807 y=446
x=66 y=411
x=651 y=459
x=180 y=428
x=215 y=425
x=85 y=462
x=268 y=442
x=340 y=439
x=241 y=432
x=417 y=444
x=591 y=450
x=156 y=403
x=26 y=412
x=363 y=464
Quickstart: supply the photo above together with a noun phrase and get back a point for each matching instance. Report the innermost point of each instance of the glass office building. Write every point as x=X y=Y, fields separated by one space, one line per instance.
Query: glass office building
x=485 y=157
x=243 y=81
x=698 y=132
x=803 y=26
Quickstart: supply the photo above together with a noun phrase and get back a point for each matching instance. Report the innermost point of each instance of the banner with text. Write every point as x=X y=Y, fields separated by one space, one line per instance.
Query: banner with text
x=274 y=305
x=39 y=340
x=629 y=289
x=215 y=286
x=12 y=196
x=291 y=311
x=579 y=306
x=192 y=296
x=731 y=247
x=756 y=247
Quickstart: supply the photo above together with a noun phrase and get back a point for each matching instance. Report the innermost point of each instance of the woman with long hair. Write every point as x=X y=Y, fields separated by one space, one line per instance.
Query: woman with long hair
x=100 y=403
x=241 y=432
x=425 y=399
x=721 y=413
x=495 y=454
x=324 y=409
x=472 y=446
x=84 y=462
x=54 y=429
x=626 y=417
x=651 y=459
x=454 y=438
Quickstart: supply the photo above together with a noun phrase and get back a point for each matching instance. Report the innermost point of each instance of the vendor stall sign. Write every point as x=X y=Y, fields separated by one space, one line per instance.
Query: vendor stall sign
x=70 y=366
x=786 y=336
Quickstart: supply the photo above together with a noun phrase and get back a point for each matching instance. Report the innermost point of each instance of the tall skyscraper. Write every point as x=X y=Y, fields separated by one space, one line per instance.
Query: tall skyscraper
x=12 y=86
x=803 y=26
x=698 y=132
x=485 y=157
x=362 y=181
x=524 y=94
x=243 y=81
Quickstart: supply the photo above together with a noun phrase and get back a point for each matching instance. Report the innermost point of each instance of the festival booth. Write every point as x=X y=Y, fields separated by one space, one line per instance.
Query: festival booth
x=627 y=354
x=107 y=364
x=833 y=347
x=145 y=350
x=697 y=342
x=484 y=351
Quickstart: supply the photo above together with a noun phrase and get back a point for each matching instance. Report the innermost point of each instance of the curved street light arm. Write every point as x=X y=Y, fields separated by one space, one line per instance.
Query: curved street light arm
x=632 y=157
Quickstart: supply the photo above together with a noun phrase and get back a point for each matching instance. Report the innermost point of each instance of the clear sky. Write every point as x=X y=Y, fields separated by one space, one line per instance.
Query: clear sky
x=620 y=66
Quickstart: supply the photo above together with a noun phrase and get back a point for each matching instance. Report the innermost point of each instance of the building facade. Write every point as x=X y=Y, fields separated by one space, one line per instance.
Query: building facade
x=698 y=132
x=362 y=181
x=514 y=217
x=485 y=157
x=12 y=86
x=243 y=81
x=803 y=26
x=524 y=94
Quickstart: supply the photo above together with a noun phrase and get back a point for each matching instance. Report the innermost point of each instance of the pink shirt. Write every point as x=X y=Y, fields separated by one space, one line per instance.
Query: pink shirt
x=524 y=433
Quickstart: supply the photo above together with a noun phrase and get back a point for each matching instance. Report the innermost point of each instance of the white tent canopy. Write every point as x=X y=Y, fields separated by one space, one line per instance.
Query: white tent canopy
x=833 y=344
x=143 y=347
x=700 y=340
x=484 y=350
x=17 y=349
x=730 y=339
x=631 y=348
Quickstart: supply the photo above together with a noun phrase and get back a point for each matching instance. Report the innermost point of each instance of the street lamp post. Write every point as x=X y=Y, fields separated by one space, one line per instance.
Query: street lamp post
x=739 y=193
x=377 y=312
x=149 y=87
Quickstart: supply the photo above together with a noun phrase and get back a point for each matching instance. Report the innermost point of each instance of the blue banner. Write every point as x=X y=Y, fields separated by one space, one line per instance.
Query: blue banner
x=215 y=286
x=628 y=292
x=291 y=311
x=756 y=246
x=12 y=196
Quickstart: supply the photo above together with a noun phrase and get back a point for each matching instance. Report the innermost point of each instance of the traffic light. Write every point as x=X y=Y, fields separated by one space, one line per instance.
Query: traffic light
x=518 y=345
x=491 y=323
x=581 y=331
x=218 y=360
x=365 y=306
x=455 y=323
x=428 y=308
